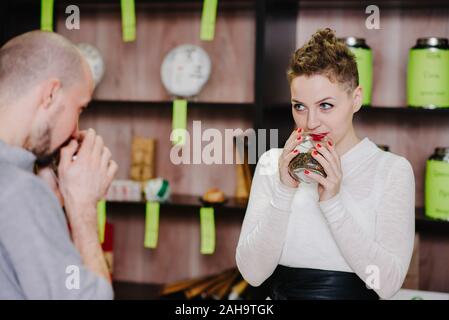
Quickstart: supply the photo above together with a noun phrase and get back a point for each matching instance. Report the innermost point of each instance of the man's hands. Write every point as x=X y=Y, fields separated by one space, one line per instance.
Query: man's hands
x=85 y=180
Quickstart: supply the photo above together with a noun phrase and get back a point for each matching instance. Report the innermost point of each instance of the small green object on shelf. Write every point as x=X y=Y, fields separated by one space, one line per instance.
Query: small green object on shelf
x=47 y=15
x=128 y=20
x=208 y=20
x=151 y=224
x=101 y=213
x=207 y=230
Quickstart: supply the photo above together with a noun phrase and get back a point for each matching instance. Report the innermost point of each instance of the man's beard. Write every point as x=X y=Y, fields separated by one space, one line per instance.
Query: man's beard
x=39 y=144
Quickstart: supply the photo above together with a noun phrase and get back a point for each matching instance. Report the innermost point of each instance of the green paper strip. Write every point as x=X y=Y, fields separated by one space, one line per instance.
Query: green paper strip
x=151 y=225
x=128 y=20
x=207 y=230
x=208 y=20
x=101 y=213
x=179 y=119
x=47 y=15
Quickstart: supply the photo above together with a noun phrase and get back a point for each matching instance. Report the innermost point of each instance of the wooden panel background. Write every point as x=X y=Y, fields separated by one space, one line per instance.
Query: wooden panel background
x=133 y=69
x=178 y=253
x=133 y=74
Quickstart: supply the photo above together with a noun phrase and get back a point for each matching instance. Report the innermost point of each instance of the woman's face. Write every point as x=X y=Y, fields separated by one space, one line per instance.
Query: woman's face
x=323 y=107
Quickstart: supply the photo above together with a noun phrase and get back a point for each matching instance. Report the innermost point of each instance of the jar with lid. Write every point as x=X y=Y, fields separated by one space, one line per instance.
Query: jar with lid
x=364 y=58
x=437 y=185
x=428 y=73
x=304 y=159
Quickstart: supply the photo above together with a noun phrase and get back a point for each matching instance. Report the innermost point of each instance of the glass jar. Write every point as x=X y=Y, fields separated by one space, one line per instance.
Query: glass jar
x=364 y=58
x=304 y=159
x=428 y=73
x=437 y=185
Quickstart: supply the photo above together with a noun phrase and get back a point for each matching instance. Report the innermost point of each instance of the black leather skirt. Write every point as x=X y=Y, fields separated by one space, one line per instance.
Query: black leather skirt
x=313 y=284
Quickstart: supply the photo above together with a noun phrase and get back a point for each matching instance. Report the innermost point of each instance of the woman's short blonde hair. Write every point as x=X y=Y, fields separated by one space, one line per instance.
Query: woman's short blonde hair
x=325 y=55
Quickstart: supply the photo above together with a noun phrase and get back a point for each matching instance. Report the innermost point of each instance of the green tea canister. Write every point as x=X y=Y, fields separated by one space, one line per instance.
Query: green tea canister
x=428 y=74
x=437 y=185
x=364 y=58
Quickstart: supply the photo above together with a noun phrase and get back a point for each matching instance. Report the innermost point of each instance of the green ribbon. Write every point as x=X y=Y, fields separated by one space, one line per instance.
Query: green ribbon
x=128 y=20
x=151 y=224
x=207 y=230
x=179 y=121
x=47 y=15
x=101 y=214
x=208 y=19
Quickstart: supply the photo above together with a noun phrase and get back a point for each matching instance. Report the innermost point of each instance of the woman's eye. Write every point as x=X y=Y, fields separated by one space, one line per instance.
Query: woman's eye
x=298 y=107
x=326 y=106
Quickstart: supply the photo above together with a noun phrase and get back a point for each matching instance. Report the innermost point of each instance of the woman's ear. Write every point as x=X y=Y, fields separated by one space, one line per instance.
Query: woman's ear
x=357 y=95
x=48 y=92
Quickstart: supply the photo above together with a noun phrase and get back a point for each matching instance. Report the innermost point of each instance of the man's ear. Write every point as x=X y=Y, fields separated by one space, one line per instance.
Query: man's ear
x=49 y=90
x=357 y=98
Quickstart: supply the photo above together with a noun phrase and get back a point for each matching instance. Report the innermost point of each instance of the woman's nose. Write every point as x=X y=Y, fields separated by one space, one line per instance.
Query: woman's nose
x=312 y=120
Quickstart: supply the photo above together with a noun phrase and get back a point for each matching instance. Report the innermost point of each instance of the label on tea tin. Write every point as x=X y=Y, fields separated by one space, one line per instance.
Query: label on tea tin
x=437 y=189
x=428 y=78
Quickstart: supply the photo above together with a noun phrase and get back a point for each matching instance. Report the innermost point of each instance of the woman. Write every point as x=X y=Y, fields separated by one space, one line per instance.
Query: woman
x=348 y=235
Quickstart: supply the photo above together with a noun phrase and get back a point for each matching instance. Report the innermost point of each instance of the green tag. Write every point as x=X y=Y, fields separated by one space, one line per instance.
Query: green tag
x=179 y=120
x=128 y=20
x=47 y=15
x=151 y=225
x=428 y=78
x=208 y=20
x=437 y=190
x=364 y=58
x=207 y=230
x=101 y=213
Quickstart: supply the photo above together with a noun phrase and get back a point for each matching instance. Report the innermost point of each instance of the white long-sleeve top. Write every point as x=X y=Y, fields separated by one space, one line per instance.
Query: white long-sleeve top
x=367 y=228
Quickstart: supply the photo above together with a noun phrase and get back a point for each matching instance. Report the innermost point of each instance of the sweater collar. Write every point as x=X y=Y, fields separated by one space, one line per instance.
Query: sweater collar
x=16 y=156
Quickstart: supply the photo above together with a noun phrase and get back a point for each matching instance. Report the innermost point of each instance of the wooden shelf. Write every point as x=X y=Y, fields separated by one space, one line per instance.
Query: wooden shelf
x=428 y=225
x=180 y=202
x=423 y=223
x=378 y=109
x=168 y=104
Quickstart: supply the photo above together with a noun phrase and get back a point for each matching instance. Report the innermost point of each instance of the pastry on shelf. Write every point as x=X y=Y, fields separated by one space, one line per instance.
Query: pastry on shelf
x=214 y=195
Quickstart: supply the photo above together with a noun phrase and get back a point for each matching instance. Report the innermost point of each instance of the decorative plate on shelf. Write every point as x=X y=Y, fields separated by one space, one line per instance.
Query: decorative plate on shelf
x=94 y=59
x=185 y=70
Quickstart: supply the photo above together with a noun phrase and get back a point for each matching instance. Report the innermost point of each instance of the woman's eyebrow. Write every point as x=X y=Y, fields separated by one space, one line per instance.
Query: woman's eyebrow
x=321 y=100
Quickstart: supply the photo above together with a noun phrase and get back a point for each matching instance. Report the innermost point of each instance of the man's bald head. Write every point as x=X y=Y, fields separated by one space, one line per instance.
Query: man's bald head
x=30 y=58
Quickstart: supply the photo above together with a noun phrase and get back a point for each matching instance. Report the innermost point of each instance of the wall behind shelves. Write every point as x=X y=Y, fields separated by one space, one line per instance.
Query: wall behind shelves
x=117 y=125
x=133 y=69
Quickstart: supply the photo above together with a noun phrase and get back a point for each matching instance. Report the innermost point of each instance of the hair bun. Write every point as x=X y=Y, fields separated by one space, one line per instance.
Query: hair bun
x=324 y=37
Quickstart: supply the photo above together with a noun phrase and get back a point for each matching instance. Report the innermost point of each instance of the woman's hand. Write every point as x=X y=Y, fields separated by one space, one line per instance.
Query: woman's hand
x=287 y=155
x=327 y=156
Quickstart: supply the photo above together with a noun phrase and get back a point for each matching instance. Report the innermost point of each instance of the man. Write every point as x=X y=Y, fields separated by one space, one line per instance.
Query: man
x=44 y=85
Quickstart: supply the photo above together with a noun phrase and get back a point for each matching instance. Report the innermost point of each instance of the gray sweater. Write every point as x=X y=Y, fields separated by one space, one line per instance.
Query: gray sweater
x=37 y=257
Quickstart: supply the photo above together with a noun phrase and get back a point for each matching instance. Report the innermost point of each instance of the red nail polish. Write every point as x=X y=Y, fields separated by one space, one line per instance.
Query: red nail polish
x=295 y=151
x=329 y=143
x=299 y=130
x=315 y=153
x=299 y=138
x=318 y=145
x=306 y=172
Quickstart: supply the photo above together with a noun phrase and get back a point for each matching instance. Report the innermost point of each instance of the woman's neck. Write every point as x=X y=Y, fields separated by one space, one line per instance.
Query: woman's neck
x=348 y=142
